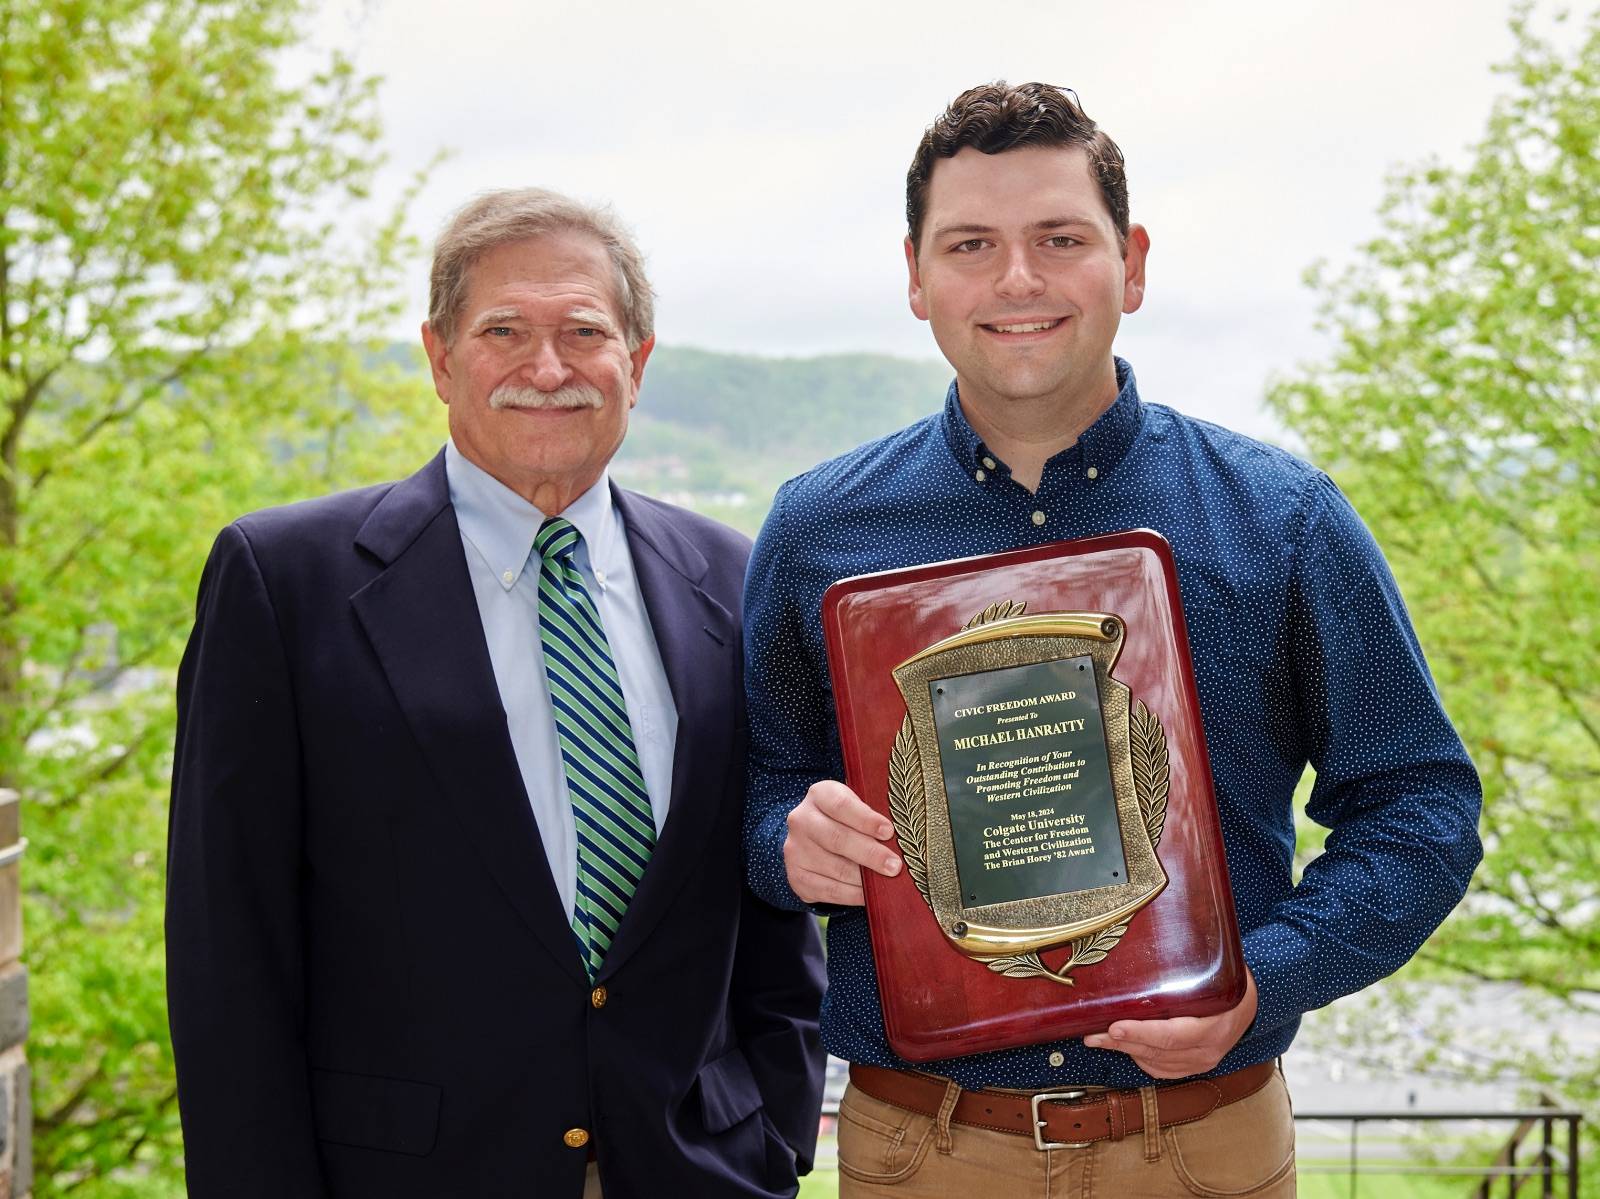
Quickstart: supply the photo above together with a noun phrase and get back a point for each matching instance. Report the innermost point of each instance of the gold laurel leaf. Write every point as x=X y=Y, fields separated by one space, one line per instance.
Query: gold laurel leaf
x=1003 y=610
x=908 y=807
x=1086 y=951
x=1026 y=965
x=1152 y=774
x=1021 y=966
x=1106 y=938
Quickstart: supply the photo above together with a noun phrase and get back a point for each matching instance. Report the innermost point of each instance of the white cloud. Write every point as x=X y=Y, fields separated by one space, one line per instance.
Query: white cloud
x=760 y=150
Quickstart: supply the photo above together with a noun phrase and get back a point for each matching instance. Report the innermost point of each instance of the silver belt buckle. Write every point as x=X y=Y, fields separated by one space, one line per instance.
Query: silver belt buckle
x=1038 y=1125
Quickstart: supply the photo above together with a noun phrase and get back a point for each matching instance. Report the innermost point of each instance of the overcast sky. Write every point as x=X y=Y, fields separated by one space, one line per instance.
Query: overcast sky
x=759 y=150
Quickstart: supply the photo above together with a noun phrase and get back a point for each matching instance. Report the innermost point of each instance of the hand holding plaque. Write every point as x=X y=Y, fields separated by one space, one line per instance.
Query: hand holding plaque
x=1029 y=787
x=832 y=838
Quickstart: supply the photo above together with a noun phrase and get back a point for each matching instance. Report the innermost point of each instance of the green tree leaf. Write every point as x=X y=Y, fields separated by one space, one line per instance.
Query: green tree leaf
x=1459 y=413
x=187 y=298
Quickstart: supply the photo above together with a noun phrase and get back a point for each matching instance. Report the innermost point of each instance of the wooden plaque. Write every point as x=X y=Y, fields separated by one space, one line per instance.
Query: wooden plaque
x=1029 y=722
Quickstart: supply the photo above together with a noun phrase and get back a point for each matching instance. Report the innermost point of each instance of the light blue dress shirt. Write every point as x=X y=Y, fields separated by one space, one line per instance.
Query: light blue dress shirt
x=497 y=531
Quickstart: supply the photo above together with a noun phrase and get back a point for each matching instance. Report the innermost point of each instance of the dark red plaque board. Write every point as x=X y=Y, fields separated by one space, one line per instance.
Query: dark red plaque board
x=1179 y=953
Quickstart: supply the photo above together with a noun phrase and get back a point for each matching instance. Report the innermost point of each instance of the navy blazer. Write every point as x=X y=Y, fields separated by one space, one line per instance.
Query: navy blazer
x=374 y=990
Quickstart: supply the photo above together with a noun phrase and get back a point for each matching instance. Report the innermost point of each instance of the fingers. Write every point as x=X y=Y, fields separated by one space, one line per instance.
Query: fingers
x=1169 y=1067
x=832 y=826
x=1173 y=1048
x=1183 y=1045
x=832 y=837
x=844 y=806
x=1177 y=1034
x=817 y=888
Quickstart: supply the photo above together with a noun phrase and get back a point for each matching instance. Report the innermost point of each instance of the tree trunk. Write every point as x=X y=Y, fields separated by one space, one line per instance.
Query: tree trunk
x=10 y=647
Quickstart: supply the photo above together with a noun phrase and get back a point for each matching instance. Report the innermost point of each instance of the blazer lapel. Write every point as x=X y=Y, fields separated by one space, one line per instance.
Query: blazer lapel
x=422 y=619
x=696 y=637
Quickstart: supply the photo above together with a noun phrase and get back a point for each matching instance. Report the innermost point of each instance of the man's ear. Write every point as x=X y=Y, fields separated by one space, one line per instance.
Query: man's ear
x=1135 y=249
x=919 y=305
x=639 y=357
x=438 y=360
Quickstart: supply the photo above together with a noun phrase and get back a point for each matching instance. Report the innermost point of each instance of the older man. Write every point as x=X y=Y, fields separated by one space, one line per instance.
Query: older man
x=455 y=899
x=1022 y=258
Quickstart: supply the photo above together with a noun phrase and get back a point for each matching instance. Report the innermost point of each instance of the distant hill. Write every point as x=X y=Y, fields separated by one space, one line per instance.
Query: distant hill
x=720 y=432
x=819 y=405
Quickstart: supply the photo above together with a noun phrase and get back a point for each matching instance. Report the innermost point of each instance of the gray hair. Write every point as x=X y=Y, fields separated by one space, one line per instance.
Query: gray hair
x=499 y=217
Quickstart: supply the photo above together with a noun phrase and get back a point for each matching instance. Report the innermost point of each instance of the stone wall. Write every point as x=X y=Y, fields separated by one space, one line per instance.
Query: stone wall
x=16 y=1110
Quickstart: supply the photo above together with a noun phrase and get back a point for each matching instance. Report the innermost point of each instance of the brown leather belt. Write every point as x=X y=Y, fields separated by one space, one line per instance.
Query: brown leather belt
x=1065 y=1119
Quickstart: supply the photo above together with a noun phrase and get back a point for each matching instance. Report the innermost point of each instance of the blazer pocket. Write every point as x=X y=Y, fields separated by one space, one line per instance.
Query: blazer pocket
x=728 y=1091
x=367 y=1112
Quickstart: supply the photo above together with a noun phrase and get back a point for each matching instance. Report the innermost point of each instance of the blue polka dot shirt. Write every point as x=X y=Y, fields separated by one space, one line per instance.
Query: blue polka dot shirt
x=1303 y=653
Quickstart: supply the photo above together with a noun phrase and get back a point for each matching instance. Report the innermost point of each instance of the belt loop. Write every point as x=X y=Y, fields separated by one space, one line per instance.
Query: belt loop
x=952 y=1092
x=1116 y=1117
x=1152 y=1124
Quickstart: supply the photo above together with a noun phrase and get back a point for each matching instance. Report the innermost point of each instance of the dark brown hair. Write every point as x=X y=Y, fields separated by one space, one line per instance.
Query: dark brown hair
x=995 y=117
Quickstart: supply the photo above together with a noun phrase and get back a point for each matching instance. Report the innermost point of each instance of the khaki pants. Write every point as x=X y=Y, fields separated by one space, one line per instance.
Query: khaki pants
x=1245 y=1148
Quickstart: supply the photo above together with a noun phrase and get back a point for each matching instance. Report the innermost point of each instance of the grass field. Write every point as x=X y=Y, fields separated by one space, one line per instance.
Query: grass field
x=1383 y=1186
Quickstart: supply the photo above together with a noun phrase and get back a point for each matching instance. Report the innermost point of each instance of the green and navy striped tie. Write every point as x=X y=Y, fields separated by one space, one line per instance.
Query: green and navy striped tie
x=610 y=806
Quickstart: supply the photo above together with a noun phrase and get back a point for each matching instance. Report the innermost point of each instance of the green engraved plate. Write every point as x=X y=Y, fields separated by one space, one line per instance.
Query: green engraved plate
x=1005 y=696
x=1028 y=781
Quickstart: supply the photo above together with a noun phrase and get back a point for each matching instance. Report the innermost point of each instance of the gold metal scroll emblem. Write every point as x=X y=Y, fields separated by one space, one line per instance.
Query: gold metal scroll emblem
x=1009 y=936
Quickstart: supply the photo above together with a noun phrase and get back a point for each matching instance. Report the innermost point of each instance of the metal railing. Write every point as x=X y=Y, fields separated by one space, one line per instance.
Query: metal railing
x=1550 y=1165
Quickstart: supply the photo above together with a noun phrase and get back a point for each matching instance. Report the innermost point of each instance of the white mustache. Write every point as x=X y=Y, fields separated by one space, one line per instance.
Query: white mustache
x=574 y=395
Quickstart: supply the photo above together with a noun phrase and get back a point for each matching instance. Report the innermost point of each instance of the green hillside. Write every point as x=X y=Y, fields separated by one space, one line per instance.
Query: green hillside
x=720 y=432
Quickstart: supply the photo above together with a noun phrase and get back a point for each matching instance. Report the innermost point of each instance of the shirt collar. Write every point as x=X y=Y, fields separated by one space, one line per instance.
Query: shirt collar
x=501 y=525
x=1103 y=444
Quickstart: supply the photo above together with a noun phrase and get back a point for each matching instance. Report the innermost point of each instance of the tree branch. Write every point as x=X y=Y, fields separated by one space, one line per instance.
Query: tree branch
x=63 y=688
x=116 y=414
x=20 y=409
x=1434 y=956
x=69 y=1107
x=59 y=566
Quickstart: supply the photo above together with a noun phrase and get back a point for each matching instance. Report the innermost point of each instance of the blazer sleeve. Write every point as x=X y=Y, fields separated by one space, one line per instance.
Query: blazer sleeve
x=777 y=995
x=235 y=971
x=778 y=979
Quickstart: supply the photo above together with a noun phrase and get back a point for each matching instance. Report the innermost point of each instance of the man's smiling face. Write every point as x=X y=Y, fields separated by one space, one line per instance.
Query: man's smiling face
x=1022 y=275
x=538 y=375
